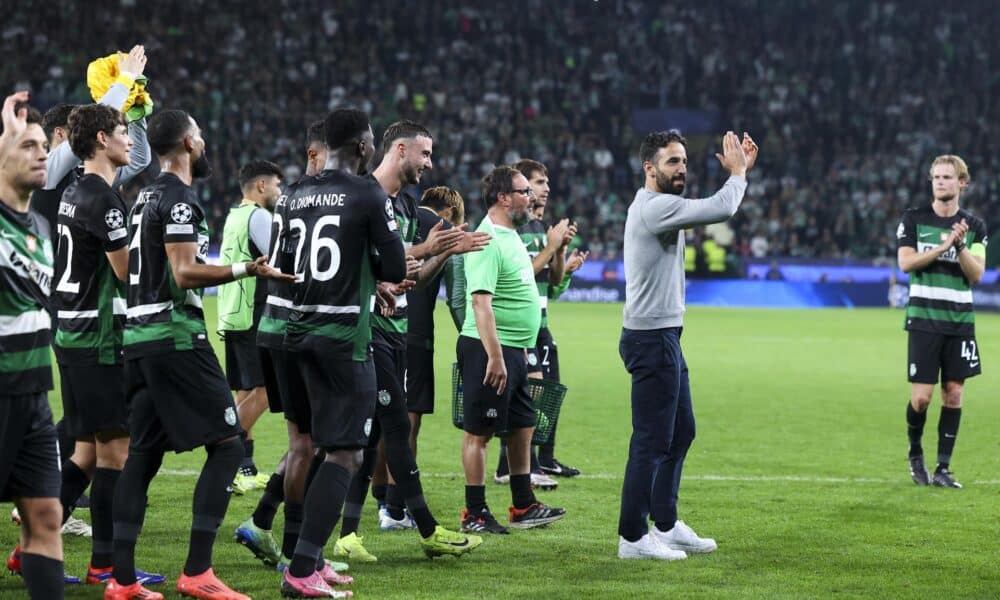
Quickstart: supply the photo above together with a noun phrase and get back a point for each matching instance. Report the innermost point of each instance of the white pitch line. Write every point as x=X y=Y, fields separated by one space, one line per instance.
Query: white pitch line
x=709 y=477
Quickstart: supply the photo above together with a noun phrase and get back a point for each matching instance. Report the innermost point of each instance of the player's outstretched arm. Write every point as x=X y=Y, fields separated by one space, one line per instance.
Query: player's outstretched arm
x=190 y=274
x=669 y=212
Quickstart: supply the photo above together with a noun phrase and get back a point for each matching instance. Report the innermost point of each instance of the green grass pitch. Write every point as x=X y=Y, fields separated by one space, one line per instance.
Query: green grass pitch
x=799 y=472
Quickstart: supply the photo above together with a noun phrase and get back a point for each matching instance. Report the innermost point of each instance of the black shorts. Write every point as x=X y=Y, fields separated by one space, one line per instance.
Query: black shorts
x=342 y=398
x=179 y=401
x=483 y=410
x=288 y=389
x=544 y=356
x=390 y=373
x=955 y=357
x=244 y=366
x=93 y=399
x=419 y=379
x=29 y=448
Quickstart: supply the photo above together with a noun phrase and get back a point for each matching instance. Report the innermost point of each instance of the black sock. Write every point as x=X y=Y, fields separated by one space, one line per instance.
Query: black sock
x=394 y=502
x=475 y=498
x=915 y=429
x=129 y=510
x=43 y=576
x=211 y=499
x=664 y=527
x=66 y=442
x=503 y=467
x=102 y=496
x=546 y=453
x=426 y=523
x=317 y=461
x=74 y=481
x=520 y=491
x=322 y=507
x=274 y=494
x=356 y=494
x=947 y=432
x=293 y=524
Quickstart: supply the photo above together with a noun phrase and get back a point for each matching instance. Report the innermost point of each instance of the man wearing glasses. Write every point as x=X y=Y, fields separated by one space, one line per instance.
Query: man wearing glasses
x=502 y=325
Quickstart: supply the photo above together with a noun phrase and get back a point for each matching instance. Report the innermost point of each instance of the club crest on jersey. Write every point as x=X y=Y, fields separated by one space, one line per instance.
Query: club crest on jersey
x=230 y=416
x=384 y=398
x=114 y=219
x=181 y=213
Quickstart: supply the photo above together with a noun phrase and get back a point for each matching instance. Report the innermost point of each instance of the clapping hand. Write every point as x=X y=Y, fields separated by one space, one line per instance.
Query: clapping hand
x=733 y=157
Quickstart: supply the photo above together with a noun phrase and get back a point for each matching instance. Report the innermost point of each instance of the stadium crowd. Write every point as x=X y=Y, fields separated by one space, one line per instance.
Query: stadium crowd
x=847 y=105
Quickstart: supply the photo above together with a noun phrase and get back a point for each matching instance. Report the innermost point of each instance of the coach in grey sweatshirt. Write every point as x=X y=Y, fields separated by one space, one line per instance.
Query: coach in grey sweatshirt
x=662 y=417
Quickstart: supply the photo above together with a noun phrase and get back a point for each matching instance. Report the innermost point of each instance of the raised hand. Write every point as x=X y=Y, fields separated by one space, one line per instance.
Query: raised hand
x=444 y=240
x=260 y=268
x=134 y=62
x=958 y=232
x=576 y=260
x=733 y=158
x=570 y=234
x=472 y=241
x=557 y=233
x=14 y=123
x=750 y=149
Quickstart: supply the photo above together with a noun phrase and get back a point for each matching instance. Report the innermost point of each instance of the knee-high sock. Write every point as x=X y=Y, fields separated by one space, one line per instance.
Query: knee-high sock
x=129 y=510
x=211 y=499
x=324 y=501
x=102 y=497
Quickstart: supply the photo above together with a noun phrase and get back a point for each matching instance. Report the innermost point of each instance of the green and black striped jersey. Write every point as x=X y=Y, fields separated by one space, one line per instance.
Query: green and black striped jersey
x=940 y=295
x=87 y=300
x=25 y=279
x=392 y=330
x=274 y=318
x=161 y=316
x=336 y=225
x=534 y=234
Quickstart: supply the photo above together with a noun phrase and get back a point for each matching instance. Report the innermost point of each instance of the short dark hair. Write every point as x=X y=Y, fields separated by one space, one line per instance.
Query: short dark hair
x=33 y=115
x=499 y=181
x=403 y=130
x=529 y=167
x=57 y=116
x=85 y=122
x=344 y=125
x=258 y=168
x=167 y=129
x=316 y=133
x=659 y=139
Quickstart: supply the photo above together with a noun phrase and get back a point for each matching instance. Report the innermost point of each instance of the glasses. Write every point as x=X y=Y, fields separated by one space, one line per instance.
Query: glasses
x=526 y=191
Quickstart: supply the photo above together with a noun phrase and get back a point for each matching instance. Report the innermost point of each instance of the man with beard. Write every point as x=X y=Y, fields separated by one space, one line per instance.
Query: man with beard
x=943 y=248
x=501 y=325
x=178 y=394
x=662 y=417
x=407 y=150
x=246 y=236
x=29 y=456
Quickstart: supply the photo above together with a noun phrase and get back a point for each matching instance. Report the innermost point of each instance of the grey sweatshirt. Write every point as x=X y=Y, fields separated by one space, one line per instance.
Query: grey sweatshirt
x=62 y=160
x=654 y=250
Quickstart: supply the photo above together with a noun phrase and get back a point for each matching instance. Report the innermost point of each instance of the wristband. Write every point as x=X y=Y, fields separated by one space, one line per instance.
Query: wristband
x=239 y=270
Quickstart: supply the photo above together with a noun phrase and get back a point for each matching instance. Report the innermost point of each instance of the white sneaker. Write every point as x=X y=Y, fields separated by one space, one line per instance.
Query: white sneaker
x=387 y=523
x=75 y=526
x=501 y=479
x=15 y=516
x=647 y=547
x=543 y=481
x=682 y=537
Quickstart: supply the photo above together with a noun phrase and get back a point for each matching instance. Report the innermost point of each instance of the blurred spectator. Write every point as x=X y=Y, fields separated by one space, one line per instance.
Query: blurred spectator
x=848 y=99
